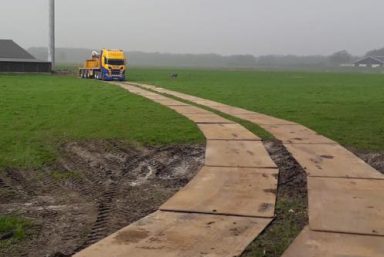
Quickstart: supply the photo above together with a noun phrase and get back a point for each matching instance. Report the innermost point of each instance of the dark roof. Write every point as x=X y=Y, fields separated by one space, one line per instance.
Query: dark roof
x=380 y=58
x=11 y=50
x=22 y=60
x=377 y=59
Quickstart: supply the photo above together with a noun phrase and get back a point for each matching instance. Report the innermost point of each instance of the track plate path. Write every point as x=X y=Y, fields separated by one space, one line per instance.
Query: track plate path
x=224 y=208
x=346 y=206
x=172 y=234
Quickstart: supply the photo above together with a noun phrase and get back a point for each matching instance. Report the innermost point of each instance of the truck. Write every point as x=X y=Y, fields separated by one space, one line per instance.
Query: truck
x=107 y=65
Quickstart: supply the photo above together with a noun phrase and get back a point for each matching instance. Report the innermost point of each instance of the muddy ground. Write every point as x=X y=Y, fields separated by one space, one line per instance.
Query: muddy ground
x=98 y=187
x=94 y=189
x=376 y=160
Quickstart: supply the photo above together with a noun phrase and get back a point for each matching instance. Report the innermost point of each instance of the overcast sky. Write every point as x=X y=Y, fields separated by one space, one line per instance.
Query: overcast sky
x=256 y=27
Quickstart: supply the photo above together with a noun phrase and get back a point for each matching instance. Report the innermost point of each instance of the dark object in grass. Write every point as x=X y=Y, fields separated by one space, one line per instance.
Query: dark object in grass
x=174 y=75
x=7 y=235
x=59 y=254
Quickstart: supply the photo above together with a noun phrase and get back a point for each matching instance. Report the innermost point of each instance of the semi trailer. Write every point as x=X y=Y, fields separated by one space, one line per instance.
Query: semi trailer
x=107 y=65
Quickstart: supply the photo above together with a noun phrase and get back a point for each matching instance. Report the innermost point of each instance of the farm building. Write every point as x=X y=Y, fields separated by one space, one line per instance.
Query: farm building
x=370 y=61
x=14 y=58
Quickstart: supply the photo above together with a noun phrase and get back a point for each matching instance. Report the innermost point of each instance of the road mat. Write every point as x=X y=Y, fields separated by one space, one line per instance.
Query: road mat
x=229 y=191
x=346 y=205
x=172 y=234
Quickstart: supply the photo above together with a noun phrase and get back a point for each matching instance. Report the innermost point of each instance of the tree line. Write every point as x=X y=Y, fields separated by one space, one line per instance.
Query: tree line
x=78 y=55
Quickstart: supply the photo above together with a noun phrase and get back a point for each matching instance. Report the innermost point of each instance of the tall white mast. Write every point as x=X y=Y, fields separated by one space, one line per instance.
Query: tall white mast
x=51 y=47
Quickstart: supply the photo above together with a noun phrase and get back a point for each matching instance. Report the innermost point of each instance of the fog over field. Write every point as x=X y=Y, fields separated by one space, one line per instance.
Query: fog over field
x=255 y=27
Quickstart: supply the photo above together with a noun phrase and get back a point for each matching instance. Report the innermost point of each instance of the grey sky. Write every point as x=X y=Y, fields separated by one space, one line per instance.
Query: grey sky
x=201 y=26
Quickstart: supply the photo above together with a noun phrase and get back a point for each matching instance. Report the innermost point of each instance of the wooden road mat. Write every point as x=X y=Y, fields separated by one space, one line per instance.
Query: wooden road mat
x=296 y=134
x=223 y=153
x=169 y=234
x=322 y=244
x=346 y=205
x=230 y=191
x=226 y=132
x=331 y=160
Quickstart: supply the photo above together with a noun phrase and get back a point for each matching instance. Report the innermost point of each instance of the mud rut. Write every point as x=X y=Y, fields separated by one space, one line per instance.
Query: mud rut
x=291 y=204
x=95 y=189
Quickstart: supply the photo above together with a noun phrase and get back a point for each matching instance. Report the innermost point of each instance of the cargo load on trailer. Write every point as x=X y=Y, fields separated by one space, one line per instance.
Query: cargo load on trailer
x=107 y=65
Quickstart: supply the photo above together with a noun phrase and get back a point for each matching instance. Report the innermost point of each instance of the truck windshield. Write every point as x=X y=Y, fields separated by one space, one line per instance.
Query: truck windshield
x=114 y=62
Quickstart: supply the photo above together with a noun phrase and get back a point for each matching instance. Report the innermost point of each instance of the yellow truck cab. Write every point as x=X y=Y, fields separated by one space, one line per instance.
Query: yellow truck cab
x=108 y=65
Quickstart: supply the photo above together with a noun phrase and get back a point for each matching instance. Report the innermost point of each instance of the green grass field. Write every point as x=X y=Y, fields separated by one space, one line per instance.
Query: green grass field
x=38 y=113
x=347 y=107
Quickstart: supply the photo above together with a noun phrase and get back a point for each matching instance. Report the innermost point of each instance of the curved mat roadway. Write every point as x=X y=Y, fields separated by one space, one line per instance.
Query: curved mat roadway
x=346 y=206
x=225 y=207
